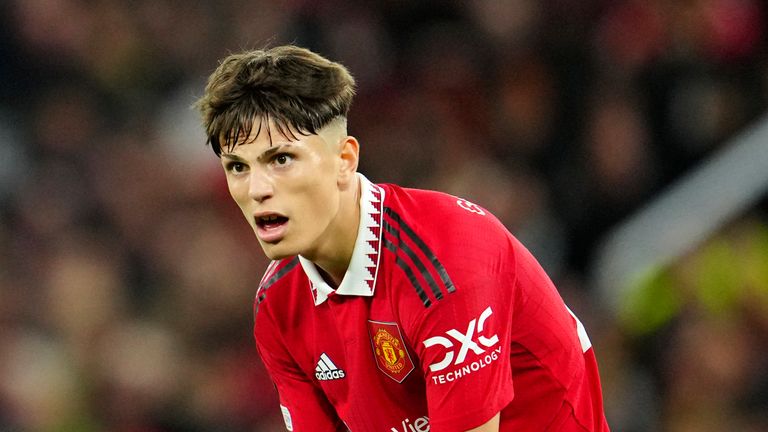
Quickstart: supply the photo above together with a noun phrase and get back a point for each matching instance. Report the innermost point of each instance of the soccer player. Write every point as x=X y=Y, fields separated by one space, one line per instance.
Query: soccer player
x=385 y=308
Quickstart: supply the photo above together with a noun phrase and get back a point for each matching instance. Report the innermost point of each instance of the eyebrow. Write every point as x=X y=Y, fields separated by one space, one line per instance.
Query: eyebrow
x=232 y=157
x=266 y=155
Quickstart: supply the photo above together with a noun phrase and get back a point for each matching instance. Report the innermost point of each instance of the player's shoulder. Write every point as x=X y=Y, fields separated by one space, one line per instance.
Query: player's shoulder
x=405 y=196
x=439 y=215
x=464 y=242
x=279 y=273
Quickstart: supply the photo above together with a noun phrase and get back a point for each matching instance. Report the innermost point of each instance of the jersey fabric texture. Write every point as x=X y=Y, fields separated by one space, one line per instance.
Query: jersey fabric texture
x=442 y=320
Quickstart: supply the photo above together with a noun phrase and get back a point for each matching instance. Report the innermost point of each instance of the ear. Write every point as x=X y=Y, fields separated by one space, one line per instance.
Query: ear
x=349 y=156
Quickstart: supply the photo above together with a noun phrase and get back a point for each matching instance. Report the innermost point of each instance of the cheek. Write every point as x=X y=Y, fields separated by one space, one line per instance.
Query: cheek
x=327 y=207
x=238 y=193
x=320 y=203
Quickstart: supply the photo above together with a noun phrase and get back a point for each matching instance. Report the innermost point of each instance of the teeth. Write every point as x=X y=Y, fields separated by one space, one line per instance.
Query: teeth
x=269 y=218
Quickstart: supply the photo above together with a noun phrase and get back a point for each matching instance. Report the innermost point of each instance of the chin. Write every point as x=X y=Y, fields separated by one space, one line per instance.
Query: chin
x=277 y=251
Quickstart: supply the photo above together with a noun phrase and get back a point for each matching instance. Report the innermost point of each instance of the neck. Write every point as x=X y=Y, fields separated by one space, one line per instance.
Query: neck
x=333 y=264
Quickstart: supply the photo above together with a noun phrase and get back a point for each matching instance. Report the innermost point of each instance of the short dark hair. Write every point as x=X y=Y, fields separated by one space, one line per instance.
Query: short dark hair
x=299 y=90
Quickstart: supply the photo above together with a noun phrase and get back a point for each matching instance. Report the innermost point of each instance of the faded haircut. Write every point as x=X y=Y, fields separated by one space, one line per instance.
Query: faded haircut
x=296 y=89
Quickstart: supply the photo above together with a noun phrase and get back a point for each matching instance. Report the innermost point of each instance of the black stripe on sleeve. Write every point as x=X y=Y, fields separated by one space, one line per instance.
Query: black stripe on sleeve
x=424 y=249
x=275 y=277
x=408 y=272
x=416 y=261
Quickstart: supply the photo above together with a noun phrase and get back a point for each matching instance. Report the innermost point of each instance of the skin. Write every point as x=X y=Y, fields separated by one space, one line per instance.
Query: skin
x=491 y=426
x=311 y=180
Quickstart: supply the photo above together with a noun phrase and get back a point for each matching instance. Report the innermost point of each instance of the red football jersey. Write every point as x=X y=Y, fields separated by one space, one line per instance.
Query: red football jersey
x=442 y=320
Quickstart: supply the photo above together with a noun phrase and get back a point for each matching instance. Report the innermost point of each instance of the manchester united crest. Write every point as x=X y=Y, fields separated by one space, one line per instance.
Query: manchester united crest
x=392 y=356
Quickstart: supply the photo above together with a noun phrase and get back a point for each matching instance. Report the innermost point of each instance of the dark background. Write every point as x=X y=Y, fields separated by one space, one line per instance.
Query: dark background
x=127 y=275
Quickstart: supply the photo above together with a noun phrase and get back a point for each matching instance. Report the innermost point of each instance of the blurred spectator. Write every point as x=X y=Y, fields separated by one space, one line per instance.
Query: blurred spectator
x=710 y=310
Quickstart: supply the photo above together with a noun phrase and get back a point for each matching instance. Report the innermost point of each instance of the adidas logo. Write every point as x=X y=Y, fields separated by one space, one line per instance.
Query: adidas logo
x=326 y=370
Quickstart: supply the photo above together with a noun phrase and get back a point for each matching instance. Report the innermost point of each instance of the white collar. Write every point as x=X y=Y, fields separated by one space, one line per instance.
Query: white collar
x=360 y=278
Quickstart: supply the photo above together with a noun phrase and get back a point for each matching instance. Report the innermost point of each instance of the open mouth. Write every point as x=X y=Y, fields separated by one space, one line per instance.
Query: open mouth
x=271 y=228
x=271 y=221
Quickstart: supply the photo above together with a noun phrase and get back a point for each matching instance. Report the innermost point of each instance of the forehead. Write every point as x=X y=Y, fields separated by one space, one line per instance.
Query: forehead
x=259 y=131
x=268 y=129
x=265 y=136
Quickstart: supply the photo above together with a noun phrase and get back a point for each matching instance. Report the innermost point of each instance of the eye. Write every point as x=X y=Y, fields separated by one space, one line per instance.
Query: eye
x=235 y=167
x=282 y=159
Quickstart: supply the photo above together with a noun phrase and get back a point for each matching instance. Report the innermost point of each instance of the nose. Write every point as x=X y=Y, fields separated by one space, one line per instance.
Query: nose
x=260 y=186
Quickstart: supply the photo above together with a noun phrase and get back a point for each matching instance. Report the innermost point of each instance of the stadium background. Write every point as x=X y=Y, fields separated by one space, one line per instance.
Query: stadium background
x=126 y=275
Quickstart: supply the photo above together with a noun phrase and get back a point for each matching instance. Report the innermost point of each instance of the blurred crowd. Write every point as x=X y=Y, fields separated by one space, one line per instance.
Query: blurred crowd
x=127 y=275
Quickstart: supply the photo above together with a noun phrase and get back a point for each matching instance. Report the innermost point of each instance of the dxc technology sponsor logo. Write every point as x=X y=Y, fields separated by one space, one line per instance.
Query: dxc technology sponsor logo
x=484 y=348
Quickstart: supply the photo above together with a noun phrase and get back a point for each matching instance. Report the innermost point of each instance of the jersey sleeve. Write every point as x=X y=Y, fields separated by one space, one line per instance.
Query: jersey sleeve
x=304 y=406
x=463 y=345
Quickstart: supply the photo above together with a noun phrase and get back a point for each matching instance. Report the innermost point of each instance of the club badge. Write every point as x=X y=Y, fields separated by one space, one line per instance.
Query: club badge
x=390 y=352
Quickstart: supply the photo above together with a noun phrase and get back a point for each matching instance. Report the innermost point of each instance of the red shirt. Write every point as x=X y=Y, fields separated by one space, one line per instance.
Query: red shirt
x=442 y=320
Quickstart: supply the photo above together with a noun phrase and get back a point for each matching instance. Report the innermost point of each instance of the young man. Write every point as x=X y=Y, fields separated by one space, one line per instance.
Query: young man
x=385 y=308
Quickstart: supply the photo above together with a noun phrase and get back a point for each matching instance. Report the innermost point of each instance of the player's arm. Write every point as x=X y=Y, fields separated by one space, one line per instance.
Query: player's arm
x=491 y=426
x=463 y=344
x=304 y=406
x=462 y=336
